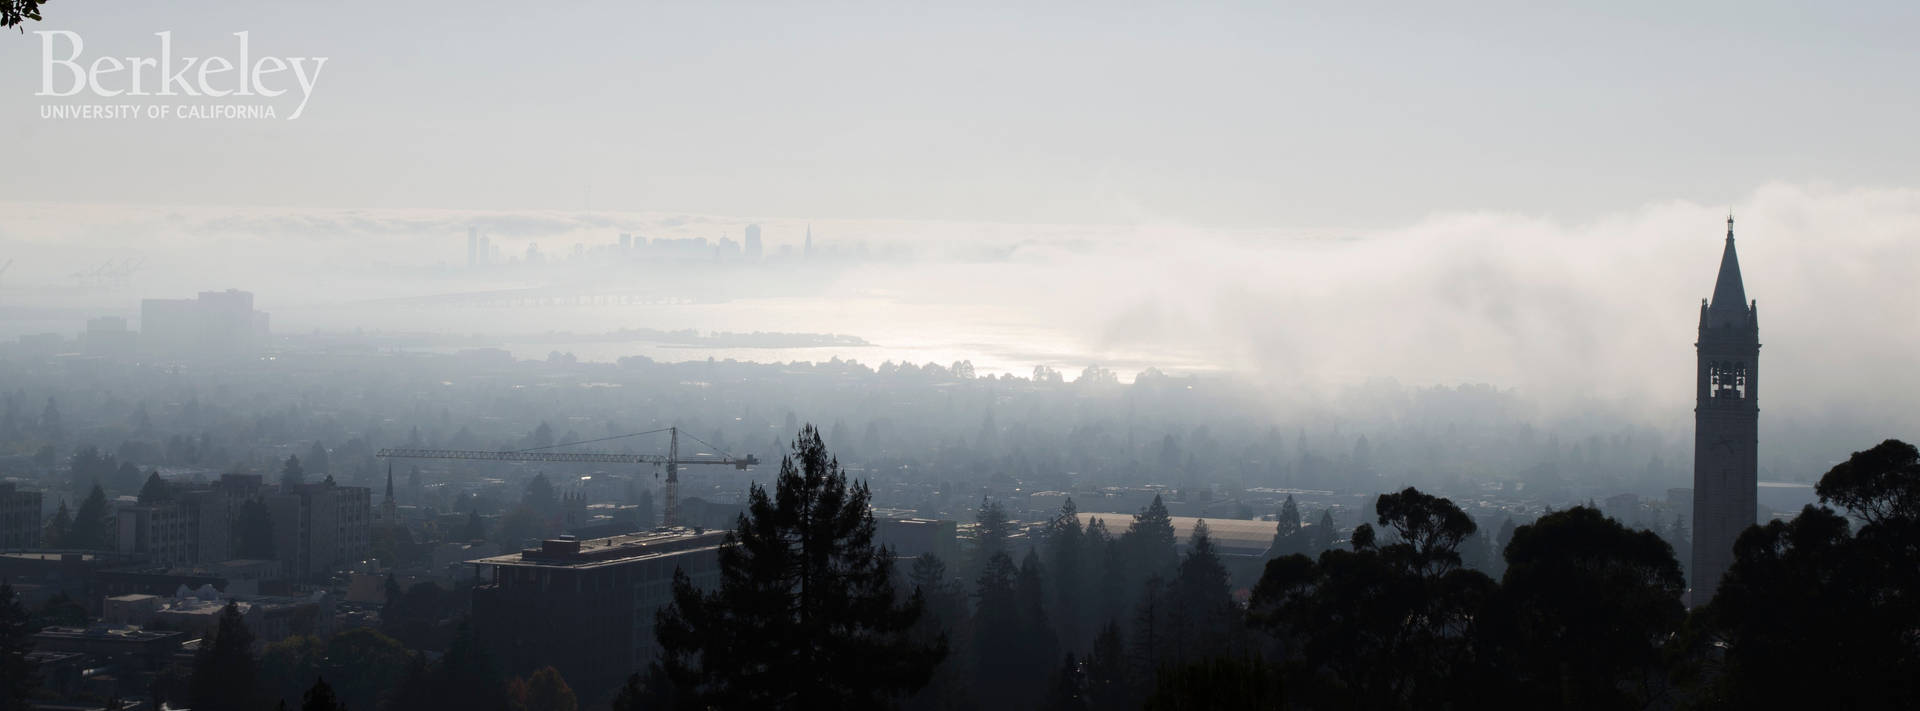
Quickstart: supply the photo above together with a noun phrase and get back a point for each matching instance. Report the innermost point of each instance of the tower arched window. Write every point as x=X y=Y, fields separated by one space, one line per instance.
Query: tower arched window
x=1728 y=379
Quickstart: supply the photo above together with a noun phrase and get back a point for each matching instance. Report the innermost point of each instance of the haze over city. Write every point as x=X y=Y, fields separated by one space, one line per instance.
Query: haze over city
x=1020 y=266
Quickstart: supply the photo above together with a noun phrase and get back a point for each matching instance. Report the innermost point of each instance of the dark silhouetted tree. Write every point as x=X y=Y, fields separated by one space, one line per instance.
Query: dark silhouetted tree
x=92 y=525
x=1880 y=485
x=1109 y=685
x=475 y=528
x=225 y=677
x=288 y=667
x=1067 y=582
x=990 y=532
x=466 y=677
x=156 y=490
x=1583 y=614
x=18 y=676
x=806 y=615
x=1377 y=626
x=317 y=459
x=366 y=666
x=319 y=697
x=1288 y=538
x=291 y=473
x=1811 y=613
x=631 y=695
x=1218 y=683
x=58 y=528
x=544 y=691
x=1203 y=618
x=1001 y=676
x=540 y=495
x=1326 y=534
x=1066 y=689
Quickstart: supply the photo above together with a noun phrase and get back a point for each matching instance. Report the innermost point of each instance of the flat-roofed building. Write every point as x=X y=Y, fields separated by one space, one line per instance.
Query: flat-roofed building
x=139 y=649
x=162 y=532
x=587 y=607
x=19 y=517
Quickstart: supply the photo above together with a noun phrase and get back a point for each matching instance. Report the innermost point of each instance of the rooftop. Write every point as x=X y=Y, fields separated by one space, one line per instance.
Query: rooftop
x=131 y=634
x=613 y=550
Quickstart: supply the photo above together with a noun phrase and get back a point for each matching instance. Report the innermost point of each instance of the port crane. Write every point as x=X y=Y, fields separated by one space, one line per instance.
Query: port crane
x=671 y=460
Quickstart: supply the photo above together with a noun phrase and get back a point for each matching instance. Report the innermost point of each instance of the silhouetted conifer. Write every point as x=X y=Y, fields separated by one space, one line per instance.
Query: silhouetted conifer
x=806 y=614
x=225 y=675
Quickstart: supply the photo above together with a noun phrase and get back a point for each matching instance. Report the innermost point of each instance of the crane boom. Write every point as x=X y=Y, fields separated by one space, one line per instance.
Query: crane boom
x=671 y=459
x=576 y=457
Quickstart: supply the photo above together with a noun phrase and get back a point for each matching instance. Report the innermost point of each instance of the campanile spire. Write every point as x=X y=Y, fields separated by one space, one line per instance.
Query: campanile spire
x=1725 y=424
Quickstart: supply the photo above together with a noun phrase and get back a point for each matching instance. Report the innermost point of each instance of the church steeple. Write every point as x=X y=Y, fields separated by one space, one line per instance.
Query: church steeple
x=1729 y=306
x=389 y=509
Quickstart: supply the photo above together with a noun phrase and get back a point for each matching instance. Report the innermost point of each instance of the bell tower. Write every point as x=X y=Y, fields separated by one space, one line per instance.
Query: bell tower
x=1726 y=417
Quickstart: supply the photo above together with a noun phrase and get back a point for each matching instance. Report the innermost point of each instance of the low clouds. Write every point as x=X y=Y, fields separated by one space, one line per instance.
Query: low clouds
x=1601 y=311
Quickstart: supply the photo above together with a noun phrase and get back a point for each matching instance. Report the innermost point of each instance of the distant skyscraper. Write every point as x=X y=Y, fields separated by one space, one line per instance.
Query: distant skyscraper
x=1725 y=425
x=473 y=246
x=488 y=254
x=808 y=252
x=626 y=242
x=753 y=242
x=217 y=323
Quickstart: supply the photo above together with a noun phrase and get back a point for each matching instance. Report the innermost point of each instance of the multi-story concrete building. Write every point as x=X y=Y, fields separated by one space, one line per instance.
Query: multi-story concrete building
x=19 y=518
x=587 y=607
x=320 y=528
x=216 y=323
x=162 y=532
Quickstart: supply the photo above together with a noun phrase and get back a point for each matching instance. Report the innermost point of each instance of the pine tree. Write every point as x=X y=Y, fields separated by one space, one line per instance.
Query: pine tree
x=291 y=473
x=18 y=676
x=1039 y=645
x=1107 y=675
x=58 y=528
x=317 y=459
x=1067 y=582
x=155 y=490
x=1105 y=573
x=1498 y=564
x=225 y=677
x=1067 y=690
x=1150 y=538
x=1325 y=534
x=319 y=697
x=92 y=528
x=1286 y=531
x=996 y=644
x=946 y=601
x=466 y=677
x=1201 y=607
x=806 y=614
x=1149 y=652
x=990 y=534
x=1147 y=550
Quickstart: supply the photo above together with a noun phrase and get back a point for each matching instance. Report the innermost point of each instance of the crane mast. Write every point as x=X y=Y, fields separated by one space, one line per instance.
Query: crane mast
x=671 y=461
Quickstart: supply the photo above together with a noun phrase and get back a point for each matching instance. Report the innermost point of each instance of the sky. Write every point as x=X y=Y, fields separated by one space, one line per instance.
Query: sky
x=1509 y=193
x=1300 y=115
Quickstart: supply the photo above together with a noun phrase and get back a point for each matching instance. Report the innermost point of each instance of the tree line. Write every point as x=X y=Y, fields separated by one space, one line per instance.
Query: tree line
x=1586 y=612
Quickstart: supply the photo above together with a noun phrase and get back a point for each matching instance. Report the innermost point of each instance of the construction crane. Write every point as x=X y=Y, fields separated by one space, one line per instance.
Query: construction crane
x=671 y=459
